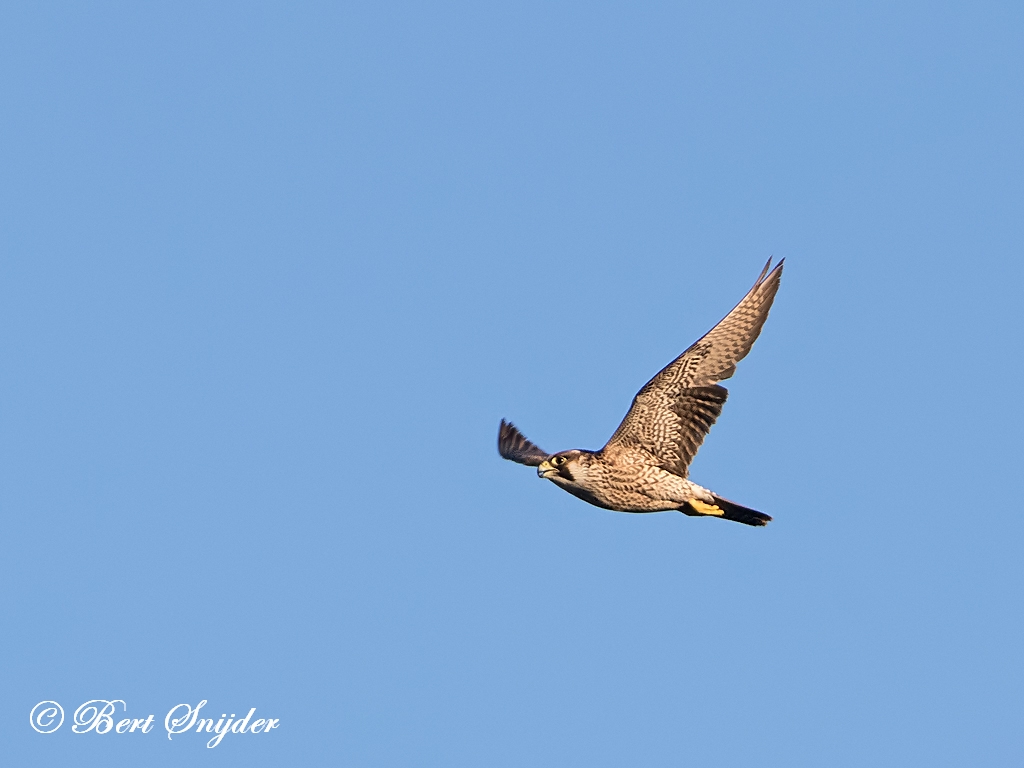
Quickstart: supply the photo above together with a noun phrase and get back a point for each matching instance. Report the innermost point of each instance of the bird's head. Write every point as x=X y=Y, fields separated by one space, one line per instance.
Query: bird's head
x=564 y=467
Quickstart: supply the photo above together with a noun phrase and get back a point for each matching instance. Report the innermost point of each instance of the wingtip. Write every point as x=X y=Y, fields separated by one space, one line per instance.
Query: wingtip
x=513 y=445
x=503 y=433
x=770 y=274
x=769 y=270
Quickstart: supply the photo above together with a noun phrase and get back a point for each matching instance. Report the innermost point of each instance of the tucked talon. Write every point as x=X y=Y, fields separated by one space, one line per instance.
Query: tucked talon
x=706 y=509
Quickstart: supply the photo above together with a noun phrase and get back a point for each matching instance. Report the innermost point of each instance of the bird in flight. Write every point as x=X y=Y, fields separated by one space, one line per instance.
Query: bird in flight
x=644 y=466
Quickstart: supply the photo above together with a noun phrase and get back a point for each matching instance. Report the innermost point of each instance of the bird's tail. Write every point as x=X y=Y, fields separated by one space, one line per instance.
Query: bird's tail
x=725 y=509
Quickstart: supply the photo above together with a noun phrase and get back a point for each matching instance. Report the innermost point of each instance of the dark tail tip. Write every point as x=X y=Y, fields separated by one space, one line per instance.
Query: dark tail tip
x=742 y=514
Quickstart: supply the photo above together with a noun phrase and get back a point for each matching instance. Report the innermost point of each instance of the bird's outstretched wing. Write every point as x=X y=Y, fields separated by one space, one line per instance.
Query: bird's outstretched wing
x=674 y=411
x=512 y=445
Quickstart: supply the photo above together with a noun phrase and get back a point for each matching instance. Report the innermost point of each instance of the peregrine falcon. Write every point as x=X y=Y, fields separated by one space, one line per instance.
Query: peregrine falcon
x=644 y=466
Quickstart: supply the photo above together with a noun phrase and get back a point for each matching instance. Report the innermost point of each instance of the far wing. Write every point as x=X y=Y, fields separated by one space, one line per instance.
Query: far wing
x=714 y=356
x=512 y=445
x=675 y=410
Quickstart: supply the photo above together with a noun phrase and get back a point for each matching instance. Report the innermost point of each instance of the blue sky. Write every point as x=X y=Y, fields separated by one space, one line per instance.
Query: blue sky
x=272 y=274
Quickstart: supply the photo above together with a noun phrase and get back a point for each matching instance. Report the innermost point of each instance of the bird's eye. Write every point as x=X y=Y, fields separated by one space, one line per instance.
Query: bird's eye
x=558 y=461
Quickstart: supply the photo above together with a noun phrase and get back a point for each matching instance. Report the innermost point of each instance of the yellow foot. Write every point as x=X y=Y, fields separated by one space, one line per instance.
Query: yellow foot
x=706 y=509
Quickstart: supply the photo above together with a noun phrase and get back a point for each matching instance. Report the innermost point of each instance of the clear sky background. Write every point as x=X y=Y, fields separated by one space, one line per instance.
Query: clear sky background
x=272 y=273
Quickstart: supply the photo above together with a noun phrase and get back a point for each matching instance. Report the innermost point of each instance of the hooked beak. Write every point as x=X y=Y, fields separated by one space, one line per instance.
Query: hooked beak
x=546 y=470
